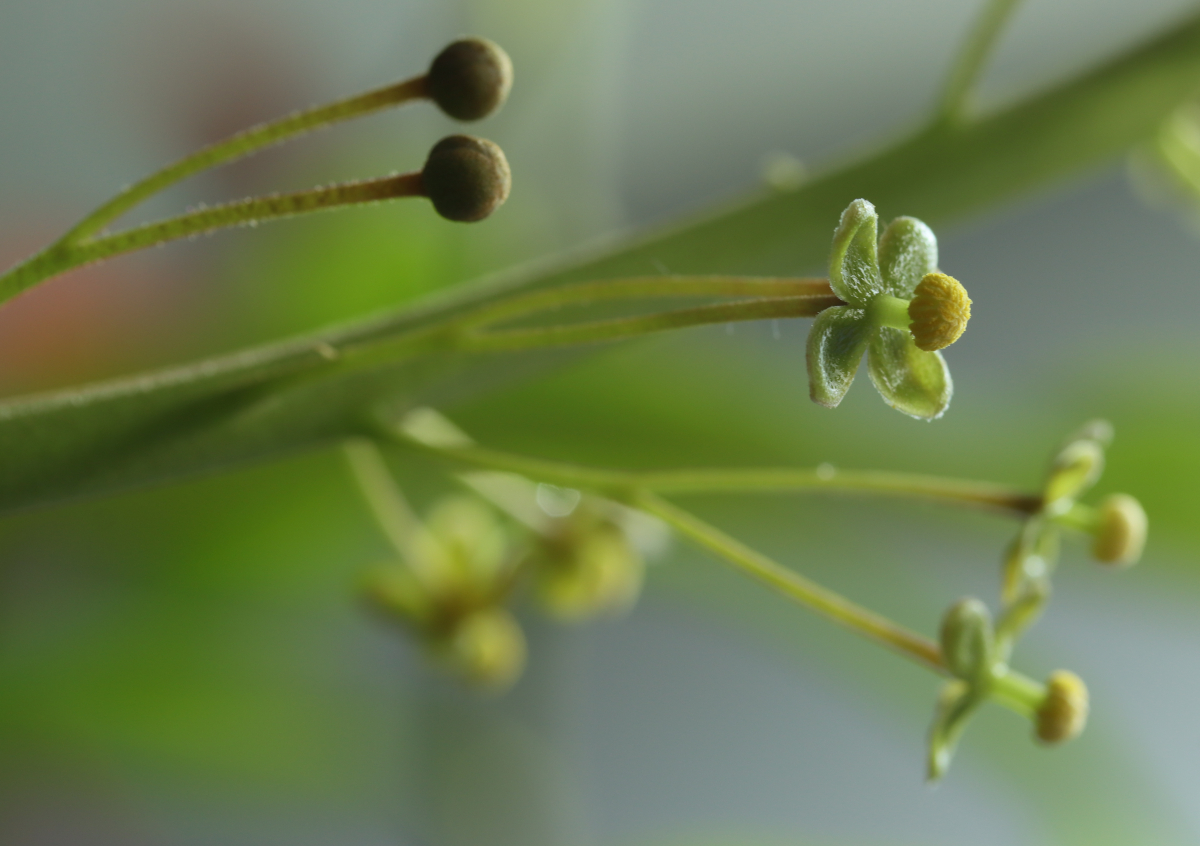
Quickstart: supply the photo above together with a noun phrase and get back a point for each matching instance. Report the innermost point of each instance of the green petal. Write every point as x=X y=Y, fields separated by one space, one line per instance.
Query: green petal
x=836 y=343
x=1075 y=469
x=910 y=380
x=907 y=251
x=955 y=705
x=853 y=267
x=968 y=641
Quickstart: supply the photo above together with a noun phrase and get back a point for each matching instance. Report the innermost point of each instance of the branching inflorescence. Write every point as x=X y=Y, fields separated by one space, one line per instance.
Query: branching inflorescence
x=579 y=536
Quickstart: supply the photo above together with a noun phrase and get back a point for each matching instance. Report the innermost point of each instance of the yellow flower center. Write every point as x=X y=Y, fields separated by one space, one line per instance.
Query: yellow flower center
x=939 y=311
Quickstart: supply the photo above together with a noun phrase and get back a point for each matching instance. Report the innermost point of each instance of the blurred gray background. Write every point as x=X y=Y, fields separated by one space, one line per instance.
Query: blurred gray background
x=188 y=665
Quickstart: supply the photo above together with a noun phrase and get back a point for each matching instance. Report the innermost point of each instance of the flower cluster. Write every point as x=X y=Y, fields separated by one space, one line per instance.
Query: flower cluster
x=899 y=311
x=976 y=652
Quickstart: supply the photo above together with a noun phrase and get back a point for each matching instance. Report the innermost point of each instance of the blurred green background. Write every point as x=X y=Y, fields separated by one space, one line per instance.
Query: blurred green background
x=189 y=665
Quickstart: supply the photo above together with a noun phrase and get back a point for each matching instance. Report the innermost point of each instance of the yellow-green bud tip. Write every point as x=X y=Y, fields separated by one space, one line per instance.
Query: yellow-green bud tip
x=488 y=648
x=467 y=178
x=1063 y=713
x=470 y=79
x=1120 y=531
x=939 y=311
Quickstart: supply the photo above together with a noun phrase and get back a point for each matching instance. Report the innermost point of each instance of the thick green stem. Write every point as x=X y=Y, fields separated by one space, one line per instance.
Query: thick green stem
x=243 y=144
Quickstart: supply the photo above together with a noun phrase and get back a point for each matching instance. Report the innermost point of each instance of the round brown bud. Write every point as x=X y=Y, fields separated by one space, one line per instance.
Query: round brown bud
x=939 y=311
x=1063 y=713
x=1120 y=531
x=467 y=178
x=470 y=79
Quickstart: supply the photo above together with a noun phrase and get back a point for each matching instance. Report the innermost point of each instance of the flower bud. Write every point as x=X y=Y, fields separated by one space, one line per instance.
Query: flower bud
x=939 y=311
x=467 y=178
x=396 y=592
x=594 y=570
x=470 y=79
x=1120 y=531
x=487 y=647
x=462 y=552
x=967 y=640
x=1063 y=713
x=1075 y=469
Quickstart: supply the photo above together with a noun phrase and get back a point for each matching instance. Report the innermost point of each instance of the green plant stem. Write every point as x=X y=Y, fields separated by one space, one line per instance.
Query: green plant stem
x=621 y=328
x=646 y=287
x=243 y=144
x=382 y=495
x=618 y=483
x=835 y=607
x=252 y=211
x=1011 y=689
x=969 y=64
x=886 y=310
x=1080 y=517
x=466 y=332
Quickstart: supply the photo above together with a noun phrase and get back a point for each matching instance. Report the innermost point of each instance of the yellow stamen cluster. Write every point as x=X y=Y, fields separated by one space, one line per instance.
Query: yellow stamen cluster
x=939 y=311
x=1064 y=712
x=1121 y=531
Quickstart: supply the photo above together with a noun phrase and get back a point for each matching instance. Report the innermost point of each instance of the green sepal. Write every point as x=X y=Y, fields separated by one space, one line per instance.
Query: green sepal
x=853 y=265
x=956 y=702
x=1019 y=614
x=968 y=642
x=909 y=380
x=907 y=252
x=1075 y=469
x=396 y=591
x=1032 y=556
x=836 y=343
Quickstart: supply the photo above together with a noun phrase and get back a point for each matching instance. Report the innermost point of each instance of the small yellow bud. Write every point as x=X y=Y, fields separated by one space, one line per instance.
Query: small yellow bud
x=597 y=571
x=467 y=178
x=470 y=79
x=488 y=648
x=1063 y=713
x=1121 y=531
x=939 y=311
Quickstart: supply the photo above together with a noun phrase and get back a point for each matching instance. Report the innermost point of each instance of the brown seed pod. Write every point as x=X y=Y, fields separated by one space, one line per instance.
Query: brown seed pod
x=467 y=178
x=470 y=79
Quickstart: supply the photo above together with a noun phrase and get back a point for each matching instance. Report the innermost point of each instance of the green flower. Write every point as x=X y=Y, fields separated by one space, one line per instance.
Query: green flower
x=1117 y=526
x=897 y=305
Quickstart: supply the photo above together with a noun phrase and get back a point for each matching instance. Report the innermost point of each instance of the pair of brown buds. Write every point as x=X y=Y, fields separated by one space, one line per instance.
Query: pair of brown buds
x=466 y=178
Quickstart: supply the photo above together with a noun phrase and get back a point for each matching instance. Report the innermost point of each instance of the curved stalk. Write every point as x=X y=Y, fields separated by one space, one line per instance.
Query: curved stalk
x=245 y=143
x=618 y=483
x=970 y=62
x=66 y=256
x=1012 y=689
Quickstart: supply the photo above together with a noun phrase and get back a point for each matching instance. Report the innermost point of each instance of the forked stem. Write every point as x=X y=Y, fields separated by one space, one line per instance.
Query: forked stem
x=245 y=143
